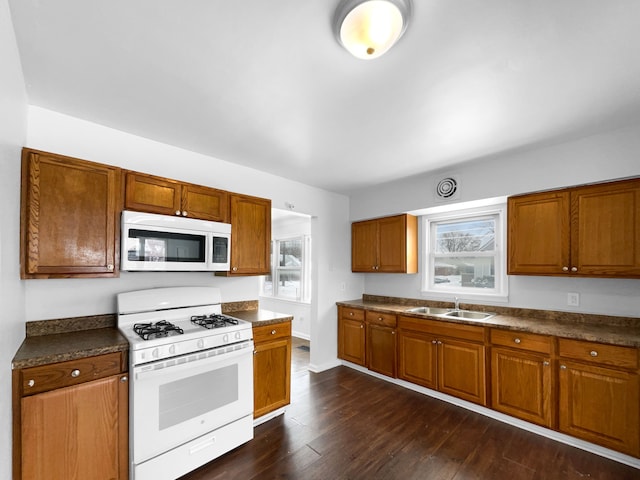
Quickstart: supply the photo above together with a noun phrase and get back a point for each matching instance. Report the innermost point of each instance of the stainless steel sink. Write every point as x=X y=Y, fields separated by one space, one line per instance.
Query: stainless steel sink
x=429 y=310
x=468 y=315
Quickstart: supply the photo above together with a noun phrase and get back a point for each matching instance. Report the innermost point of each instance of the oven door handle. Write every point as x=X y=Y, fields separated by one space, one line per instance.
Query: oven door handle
x=191 y=363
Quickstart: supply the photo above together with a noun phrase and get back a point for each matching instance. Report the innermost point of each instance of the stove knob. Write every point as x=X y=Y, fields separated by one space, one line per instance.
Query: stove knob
x=238 y=336
x=200 y=343
x=225 y=338
x=172 y=349
x=155 y=353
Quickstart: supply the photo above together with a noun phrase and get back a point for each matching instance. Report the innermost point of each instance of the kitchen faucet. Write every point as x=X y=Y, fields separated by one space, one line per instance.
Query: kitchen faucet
x=456 y=301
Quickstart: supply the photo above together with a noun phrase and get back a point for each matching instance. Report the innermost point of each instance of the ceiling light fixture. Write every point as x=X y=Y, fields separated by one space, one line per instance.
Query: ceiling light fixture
x=368 y=28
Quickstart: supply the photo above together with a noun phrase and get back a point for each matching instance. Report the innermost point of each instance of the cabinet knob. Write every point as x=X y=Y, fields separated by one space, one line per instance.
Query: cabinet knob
x=593 y=353
x=178 y=212
x=393 y=332
x=31 y=383
x=517 y=340
x=184 y=213
x=351 y=314
x=234 y=269
x=434 y=342
x=565 y=269
x=273 y=332
x=574 y=269
x=563 y=367
x=124 y=379
x=110 y=267
x=439 y=342
x=361 y=326
x=379 y=319
x=75 y=373
x=545 y=363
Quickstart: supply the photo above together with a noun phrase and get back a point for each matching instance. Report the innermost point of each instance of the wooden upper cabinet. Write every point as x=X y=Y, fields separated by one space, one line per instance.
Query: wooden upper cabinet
x=385 y=245
x=69 y=217
x=591 y=231
x=250 y=235
x=164 y=196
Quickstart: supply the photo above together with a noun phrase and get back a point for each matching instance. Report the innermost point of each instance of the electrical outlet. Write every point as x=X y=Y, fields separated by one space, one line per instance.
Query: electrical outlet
x=573 y=299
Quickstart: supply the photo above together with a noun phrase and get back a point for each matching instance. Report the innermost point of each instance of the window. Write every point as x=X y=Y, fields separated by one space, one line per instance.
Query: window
x=290 y=277
x=464 y=253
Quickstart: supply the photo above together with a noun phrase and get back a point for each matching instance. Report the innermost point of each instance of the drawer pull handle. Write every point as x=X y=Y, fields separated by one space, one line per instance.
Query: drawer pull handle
x=75 y=373
x=517 y=340
x=31 y=383
x=273 y=332
x=593 y=353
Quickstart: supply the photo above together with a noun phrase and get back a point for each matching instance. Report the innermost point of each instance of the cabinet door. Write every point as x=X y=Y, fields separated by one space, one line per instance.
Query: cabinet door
x=461 y=370
x=398 y=239
x=271 y=376
x=364 y=246
x=381 y=349
x=146 y=193
x=351 y=341
x=605 y=229
x=600 y=405
x=417 y=358
x=521 y=385
x=205 y=203
x=77 y=432
x=538 y=234
x=68 y=218
x=250 y=235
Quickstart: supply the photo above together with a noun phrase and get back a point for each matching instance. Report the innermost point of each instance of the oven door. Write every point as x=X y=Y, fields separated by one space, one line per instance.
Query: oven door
x=179 y=399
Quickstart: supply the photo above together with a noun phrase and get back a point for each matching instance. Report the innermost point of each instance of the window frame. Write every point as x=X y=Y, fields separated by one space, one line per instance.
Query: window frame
x=304 y=295
x=429 y=288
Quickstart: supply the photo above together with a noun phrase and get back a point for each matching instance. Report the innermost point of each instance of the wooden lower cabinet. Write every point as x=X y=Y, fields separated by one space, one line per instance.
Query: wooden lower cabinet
x=521 y=376
x=351 y=335
x=381 y=349
x=447 y=357
x=599 y=402
x=271 y=367
x=69 y=430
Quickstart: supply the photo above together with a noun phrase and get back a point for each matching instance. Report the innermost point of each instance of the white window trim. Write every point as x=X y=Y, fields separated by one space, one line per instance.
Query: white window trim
x=305 y=271
x=501 y=292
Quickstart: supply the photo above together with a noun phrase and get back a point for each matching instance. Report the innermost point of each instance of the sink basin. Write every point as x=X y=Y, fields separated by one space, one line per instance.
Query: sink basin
x=429 y=310
x=468 y=315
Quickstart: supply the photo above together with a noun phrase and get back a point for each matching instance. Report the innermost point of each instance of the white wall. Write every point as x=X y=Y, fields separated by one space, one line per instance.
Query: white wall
x=596 y=158
x=13 y=129
x=54 y=132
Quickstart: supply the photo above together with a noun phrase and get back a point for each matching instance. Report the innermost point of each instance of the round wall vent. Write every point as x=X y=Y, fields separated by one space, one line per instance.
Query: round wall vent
x=446 y=187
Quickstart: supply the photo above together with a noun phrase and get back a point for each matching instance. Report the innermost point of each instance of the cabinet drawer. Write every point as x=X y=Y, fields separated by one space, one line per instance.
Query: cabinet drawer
x=523 y=341
x=599 y=353
x=64 y=374
x=386 y=319
x=266 y=333
x=352 y=313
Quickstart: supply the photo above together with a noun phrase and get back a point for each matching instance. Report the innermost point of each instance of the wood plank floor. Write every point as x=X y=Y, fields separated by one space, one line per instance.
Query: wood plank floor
x=343 y=424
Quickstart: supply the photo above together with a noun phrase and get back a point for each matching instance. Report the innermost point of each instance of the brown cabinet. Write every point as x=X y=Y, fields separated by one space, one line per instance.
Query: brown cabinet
x=351 y=335
x=381 y=343
x=69 y=217
x=591 y=231
x=521 y=376
x=385 y=245
x=250 y=235
x=164 y=196
x=71 y=419
x=599 y=394
x=271 y=367
x=452 y=354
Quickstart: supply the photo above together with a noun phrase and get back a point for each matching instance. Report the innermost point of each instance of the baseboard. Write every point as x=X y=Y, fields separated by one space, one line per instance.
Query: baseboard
x=325 y=366
x=268 y=416
x=487 y=412
x=303 y=336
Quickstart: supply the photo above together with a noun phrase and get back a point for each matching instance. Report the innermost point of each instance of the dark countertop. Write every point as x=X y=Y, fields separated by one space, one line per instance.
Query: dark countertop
x=623 y=331
x=261 y=317
x=60 y=347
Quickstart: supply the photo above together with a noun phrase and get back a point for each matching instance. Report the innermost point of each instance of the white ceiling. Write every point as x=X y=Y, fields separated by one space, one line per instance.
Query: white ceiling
x=265 y=84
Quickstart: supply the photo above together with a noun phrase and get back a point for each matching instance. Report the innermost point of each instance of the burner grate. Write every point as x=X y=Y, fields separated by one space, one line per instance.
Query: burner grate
x=213 y=321
x=159 y=329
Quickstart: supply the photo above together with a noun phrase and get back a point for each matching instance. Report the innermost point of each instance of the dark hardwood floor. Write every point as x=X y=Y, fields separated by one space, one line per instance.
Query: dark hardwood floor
x=343 y=424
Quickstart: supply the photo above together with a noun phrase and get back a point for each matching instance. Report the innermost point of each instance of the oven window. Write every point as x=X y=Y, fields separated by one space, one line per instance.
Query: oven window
x=150 y=246
x=193 y=396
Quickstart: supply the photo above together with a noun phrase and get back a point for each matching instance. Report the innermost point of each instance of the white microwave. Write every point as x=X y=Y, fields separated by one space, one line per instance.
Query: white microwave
x=162 y=243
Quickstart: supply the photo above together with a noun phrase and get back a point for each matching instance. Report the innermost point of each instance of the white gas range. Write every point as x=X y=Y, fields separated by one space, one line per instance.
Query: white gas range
x=191 y=368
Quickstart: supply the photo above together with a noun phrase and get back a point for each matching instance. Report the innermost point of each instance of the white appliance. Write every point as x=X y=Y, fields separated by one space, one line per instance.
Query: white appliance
x=191 y=370
x=164 y=243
